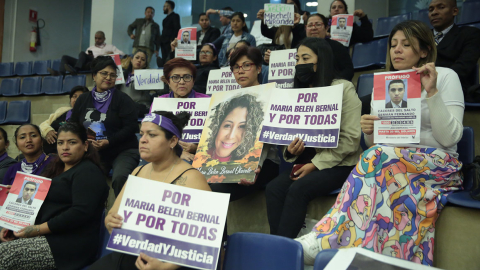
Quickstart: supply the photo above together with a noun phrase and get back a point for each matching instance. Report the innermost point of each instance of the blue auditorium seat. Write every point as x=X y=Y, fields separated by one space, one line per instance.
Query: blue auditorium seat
x=31 y=86
x=386 y=24
x=470 y=11
x=72 y=81
x=323 y=258
x=10 y=87
x=18 y=112
x=3 y=111
x=56 y=64
x=370 y=55
x=365 y=85
x=40 y=67
x=6 y=69
x=252 y=251
x=476 y=25
x=52 y=85
x=23 y=68
x=472 y=104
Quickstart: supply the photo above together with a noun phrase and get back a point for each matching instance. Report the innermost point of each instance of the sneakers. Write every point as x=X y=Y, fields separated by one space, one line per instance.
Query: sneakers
x=310 y=247
x=71 y=69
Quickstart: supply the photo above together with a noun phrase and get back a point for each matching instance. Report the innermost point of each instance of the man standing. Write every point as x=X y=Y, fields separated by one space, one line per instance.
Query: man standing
x=171 y=25
x=396 y=91
x=74 y=65
x=28 y=191
x=458 y=48
x=147 y=34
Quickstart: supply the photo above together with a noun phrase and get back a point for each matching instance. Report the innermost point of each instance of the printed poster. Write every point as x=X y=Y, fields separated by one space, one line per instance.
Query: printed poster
x=24 y=200
x=197 y=107
x=3 y=194
x=118 y=62
x=220 y=80
x=172 y=223
x=229 y=149
x=279 y=14
x=148 y=79
x=341 y=28
x=281 y=69
x=187 y=43
x=397 y=102
x=312 y=114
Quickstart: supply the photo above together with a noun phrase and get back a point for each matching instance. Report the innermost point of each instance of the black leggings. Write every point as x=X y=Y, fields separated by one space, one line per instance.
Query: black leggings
x=287 y=200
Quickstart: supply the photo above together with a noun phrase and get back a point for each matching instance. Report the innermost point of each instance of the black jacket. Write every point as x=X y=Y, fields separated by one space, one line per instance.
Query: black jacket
x=362 y=33
x=155 y=35
x=460 y=51
x=298 y=33
x=342 y=60
x=171 y=25
x=390 y=105
x=211 y=35
x=202 y=77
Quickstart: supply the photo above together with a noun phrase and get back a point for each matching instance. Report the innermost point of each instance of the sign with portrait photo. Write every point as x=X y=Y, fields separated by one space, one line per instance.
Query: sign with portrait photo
x=229 y=149
x=397 y=102
x=24 y=201
x=118 y=62
x=341 y=28
x=187 y=43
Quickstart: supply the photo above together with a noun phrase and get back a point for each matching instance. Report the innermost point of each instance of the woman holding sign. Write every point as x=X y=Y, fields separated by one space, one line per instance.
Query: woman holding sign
x=110 y=117
x=160 y=146
x=362 y=33
x=396 y=192
x=66 y=230
x=318 y=171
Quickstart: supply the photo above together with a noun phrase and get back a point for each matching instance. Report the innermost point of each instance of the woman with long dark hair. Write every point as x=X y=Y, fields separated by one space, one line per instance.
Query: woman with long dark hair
x=324 y=169
x=208 y=58
x=66 y=231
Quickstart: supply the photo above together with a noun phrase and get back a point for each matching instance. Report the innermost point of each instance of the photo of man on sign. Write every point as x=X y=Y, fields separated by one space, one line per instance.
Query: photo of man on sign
x=185 y=37
x=396 y=90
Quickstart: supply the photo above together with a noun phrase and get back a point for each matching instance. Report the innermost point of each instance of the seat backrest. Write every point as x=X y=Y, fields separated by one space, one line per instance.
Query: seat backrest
x=386 y=24
x=18 y=112
x=251 y=251
x=466 y=154
x=365 y=85
x=323 y=258
x=476 y=25
x=364 y=54
x=72 y=81
x=10 y=87
x=23 y=68
x=40 y=67
x=470 y=11
x=6 y=69
x=52 y=85
x=31 y=86
x=3 y=111
x=56 y=64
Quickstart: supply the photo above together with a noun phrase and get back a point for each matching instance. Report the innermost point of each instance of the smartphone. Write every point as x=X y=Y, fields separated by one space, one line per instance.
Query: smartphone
x=295 y=168
x=90 y=52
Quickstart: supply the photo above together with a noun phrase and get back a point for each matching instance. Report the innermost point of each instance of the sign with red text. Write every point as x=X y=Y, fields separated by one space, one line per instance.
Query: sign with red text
x=176 y=224
x=187 y=43
x=3 y=194
x=118 y=62
x=397 y=102
x=221 y=80
x=341 y=29
x=281 y=69
x=24 y=201
x=197 y=107
x=311 y=114
x=148 y=79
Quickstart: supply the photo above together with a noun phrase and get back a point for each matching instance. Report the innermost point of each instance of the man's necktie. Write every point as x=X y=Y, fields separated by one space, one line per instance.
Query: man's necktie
x=438 y=37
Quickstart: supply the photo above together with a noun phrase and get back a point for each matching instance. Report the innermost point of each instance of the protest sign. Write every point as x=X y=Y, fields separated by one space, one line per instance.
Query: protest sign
x=3 y=194
x=220 y=80
x=396 y=101
x=176 y=224
x=187 y=43
x=197 y=107
x=148 y=79
x=229 y=149
x=281 y=69
x=24 y=201
x=279 y=14
x=118 y=62
x=341 y=29
x=312 y=114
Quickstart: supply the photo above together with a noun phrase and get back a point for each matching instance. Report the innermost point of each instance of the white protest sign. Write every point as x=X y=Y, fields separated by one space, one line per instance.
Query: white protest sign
x=172 y=223
x=220 y=80
x=197 y=107
x=118 y=62
x=279 y=14
x=341 y=28
x=397 y=102
x=187 y=43
x=24 y=200
x=312 y=114
x=281 y=69
x=148 y=79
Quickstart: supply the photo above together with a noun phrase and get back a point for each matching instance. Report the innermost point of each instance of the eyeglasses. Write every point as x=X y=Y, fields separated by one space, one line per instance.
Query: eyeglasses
x=246 y=67
x=105 y=75
x=186 y=78
x=206 y=52
x=316 y=25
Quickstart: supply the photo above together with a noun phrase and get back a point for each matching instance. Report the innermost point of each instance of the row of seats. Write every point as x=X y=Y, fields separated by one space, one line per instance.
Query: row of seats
x=54 y=85
x=15 y=112
x=40 y=67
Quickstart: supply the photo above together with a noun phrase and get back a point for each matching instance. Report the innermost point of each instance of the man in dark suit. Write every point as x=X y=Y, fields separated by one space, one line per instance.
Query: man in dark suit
x=396 y=91
x=28 y=191
x=171 y=25
x=185 y=37
x=458 y=48
x=208 y=34
x=147 y=34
